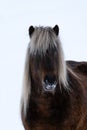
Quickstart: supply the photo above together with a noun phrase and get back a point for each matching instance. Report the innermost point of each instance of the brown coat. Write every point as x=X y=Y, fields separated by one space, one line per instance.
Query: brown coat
x=65 y=110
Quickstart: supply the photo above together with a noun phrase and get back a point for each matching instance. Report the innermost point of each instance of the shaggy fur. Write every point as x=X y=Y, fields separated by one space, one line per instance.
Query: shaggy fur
x=65 y=108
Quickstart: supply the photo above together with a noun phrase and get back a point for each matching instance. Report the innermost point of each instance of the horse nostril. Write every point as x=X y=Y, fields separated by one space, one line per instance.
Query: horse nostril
x=49 y=79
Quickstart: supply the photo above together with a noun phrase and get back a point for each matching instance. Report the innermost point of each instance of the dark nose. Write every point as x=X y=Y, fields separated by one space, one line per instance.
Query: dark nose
x=49 y=79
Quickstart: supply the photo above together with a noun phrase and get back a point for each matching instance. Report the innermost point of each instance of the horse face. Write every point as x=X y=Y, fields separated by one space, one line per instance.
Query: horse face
x=43 y=69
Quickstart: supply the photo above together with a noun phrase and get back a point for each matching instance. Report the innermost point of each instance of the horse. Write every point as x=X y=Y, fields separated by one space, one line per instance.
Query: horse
x=54 y=95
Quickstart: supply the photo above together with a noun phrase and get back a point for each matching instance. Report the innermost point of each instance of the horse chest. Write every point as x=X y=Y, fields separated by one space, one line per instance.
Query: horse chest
x=43 y=114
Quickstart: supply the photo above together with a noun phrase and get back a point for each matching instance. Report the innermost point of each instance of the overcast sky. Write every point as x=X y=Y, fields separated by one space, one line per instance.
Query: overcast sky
x=15 y=18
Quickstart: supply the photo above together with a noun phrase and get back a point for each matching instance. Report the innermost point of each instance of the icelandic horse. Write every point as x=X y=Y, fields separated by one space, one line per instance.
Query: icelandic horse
x=54 y=93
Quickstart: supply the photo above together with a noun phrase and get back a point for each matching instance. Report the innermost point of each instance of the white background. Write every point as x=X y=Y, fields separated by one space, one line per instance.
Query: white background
x=15 y=18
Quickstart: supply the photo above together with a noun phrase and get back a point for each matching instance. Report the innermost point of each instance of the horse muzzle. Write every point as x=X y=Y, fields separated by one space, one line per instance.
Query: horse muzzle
x=49 y=83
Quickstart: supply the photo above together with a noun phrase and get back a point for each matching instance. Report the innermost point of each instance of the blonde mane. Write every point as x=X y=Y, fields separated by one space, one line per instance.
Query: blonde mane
x=41 y=39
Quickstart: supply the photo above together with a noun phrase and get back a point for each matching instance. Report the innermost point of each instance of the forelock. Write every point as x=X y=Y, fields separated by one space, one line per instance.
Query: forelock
x=42 y=38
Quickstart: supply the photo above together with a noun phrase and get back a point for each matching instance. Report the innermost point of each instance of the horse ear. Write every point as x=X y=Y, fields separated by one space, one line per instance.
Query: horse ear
x=56 y=29
x=31 y=30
